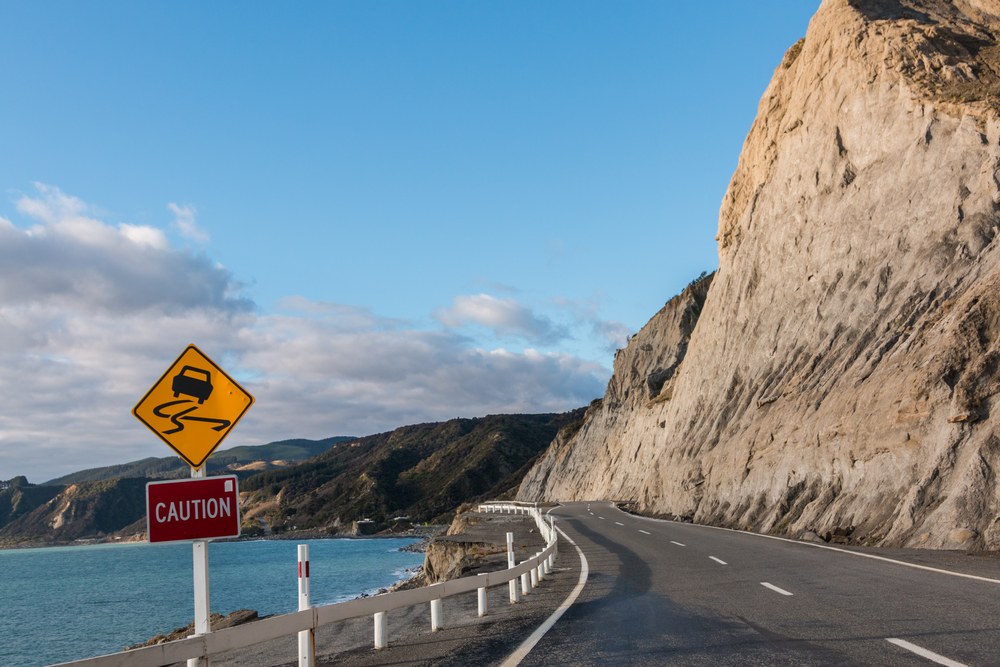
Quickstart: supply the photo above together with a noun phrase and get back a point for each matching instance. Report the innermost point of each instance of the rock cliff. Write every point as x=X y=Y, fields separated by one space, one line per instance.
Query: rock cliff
x=841 y=375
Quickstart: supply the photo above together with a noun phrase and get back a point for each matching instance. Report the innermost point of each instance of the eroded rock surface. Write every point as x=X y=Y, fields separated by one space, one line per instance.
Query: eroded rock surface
x=842 y=374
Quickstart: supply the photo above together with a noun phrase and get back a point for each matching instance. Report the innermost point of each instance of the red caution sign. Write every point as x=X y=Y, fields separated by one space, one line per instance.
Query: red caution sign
x=201 y=508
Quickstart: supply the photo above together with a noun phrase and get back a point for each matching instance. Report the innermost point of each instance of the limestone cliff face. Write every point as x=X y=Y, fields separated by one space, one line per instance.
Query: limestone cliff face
x=595 y=457
x=844 y=371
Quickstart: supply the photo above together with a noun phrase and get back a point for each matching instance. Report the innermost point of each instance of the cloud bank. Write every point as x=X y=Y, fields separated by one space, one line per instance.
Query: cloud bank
x=503 y=317
x=92 y=313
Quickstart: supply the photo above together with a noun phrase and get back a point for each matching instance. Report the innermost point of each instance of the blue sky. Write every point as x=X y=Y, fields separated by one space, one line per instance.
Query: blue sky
x=372 y=213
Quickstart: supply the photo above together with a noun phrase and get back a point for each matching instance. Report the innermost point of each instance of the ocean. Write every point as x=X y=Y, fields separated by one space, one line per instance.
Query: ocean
x=65 y=603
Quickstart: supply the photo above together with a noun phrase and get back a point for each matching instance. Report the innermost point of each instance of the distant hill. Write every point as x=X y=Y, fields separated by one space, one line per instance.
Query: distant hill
x=106 y=502
x=238 y=459
x=18 y=497
x=79 y=511
x=423 y=472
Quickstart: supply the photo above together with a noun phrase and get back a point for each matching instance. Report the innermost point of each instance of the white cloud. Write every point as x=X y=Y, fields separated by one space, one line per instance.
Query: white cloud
x=53 y=206
x=91 y=314
x=184 y=221
x=141 y=235
x=338 y=315
x=82 y=264
x=505 y=317
x=368 y=380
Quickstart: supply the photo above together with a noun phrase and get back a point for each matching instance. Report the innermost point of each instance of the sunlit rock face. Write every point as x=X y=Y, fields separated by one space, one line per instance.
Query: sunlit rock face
x=841 y=375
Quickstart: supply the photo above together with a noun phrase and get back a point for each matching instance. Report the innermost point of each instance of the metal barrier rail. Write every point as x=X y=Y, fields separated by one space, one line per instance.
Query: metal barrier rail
x=275 y=627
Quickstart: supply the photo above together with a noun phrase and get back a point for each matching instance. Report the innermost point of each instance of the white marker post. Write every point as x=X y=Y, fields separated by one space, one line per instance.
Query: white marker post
x=436 y=611
x=307 y=638
x=199 y=553
x=510 y=563
x=380 y=642
x=482 y=597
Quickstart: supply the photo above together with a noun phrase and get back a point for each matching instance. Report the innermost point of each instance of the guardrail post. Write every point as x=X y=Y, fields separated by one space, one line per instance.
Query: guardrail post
x=307 y=638
x=380 y=630
x=533 y=575
x=436 y=606
x=482 y=596
x=512 y=584
x=525 y=582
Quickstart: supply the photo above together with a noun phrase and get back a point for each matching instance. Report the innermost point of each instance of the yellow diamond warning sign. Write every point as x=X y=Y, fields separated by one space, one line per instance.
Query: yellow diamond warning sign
x=193 y=406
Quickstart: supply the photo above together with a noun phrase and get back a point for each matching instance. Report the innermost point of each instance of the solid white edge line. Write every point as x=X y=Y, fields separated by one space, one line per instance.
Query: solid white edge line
x=775 y=588
x=678 y=543
x=524 y=649
x=719 y=560
x=924 y=653
x=927 y=568
x=645 y=531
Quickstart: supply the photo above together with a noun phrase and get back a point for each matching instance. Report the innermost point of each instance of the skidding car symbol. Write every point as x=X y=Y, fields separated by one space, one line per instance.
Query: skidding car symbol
x=194 y=382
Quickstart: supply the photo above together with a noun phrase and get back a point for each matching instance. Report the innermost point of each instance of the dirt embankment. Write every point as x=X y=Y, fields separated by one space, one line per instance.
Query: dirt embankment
x=477 y=542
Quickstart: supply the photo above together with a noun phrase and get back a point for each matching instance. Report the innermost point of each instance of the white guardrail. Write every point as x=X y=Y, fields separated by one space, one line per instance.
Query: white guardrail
x=530 y=572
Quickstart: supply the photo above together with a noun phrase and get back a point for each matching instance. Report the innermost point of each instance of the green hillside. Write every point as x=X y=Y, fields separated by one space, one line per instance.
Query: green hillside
x=423 y=471
x=221 y=462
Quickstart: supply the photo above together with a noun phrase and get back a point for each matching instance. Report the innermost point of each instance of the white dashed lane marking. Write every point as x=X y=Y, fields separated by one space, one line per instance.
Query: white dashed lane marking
x=774 y=588
x=719 y=560
x=924 y=653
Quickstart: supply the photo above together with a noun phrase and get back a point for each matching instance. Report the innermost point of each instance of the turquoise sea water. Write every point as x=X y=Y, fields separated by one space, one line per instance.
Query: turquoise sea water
x=64 y=603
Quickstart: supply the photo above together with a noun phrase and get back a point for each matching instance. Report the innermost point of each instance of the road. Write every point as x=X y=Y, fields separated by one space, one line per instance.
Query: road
x=664 y=593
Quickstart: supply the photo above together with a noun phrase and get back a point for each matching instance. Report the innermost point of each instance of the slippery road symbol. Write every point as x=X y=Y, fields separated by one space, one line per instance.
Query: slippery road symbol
x=177 y=417
x=192 y=381
x=197 y=383
x=193 y=406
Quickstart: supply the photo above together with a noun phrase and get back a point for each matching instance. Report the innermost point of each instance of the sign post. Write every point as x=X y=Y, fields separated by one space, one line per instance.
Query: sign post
x=192 y=407
x=202 y=605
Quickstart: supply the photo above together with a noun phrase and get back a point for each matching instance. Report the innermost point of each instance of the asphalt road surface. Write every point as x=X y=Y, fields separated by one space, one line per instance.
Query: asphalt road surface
x=665 y=593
